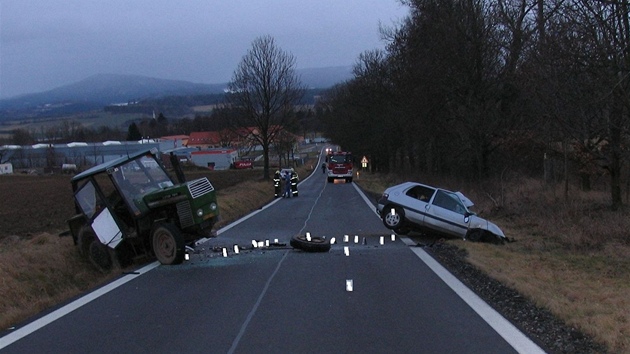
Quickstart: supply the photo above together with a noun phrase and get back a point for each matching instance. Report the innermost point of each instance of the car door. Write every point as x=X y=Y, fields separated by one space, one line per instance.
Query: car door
x=98 y=214
x=415 y=200
x=446 y=214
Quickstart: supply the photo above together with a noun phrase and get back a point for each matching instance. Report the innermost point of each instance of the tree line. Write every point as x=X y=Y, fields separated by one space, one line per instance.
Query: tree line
x=476 y=88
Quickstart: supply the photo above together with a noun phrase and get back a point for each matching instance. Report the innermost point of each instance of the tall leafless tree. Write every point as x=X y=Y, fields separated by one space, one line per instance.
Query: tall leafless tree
x=265 y=88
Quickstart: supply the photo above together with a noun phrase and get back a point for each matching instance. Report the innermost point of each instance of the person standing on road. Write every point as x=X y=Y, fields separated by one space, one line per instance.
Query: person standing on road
x=287 y=185
x=276 y=184
x=323 y=168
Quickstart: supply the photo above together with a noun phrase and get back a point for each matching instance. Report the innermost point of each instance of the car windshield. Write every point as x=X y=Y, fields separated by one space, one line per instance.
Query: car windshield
x=140 y=176
x=340 y=158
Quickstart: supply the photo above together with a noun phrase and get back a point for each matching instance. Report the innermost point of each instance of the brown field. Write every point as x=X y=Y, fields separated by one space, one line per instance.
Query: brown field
x=571 y=256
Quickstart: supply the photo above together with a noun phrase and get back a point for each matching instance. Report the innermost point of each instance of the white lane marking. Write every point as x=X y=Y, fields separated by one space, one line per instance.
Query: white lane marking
x=57 y=314
x=517 y=339
x=256 y=305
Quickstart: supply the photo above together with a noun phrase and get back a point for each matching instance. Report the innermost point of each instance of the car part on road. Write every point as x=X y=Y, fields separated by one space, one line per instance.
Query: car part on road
x=316 y=244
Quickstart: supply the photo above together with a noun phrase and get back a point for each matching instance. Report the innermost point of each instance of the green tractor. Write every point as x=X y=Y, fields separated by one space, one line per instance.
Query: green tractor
x=131 y=207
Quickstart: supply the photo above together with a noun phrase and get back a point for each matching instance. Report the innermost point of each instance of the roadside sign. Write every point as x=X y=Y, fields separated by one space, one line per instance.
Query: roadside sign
x=364 y=162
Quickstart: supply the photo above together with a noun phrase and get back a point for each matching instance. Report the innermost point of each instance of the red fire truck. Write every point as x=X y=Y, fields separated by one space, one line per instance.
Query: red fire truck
x=339 y=165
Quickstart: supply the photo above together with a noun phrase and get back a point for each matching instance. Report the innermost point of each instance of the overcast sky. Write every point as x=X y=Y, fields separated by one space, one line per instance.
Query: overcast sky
x=50 y=43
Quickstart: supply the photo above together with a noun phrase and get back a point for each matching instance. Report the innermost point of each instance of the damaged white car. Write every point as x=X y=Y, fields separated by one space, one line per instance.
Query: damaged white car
x=414 y=206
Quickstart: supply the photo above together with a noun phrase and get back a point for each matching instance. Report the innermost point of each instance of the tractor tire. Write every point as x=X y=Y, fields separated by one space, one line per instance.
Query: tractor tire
x=100 y=256
x=316 y=244
x=168 y=244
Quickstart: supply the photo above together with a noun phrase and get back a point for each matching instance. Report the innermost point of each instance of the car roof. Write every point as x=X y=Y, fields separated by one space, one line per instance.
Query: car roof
x=467 y=202
x=109 y=164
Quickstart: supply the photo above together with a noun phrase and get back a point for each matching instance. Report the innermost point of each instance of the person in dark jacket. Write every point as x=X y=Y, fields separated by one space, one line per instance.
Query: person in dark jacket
x=287 y=184
x=276 y=184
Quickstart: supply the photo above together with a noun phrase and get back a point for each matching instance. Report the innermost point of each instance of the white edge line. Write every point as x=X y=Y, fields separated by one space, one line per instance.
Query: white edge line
x=512 y=335
x=517 y=339
x=270 y=204
x=55 y=315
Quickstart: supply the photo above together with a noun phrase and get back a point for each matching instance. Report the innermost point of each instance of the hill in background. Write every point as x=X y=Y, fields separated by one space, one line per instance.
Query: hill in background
x=95 y=92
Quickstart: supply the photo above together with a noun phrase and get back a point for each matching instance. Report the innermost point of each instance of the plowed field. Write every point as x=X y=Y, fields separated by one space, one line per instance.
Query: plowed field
x=31 y=204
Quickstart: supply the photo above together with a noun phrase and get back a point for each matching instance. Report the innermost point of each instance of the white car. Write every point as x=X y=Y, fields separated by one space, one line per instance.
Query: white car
x=414 y=206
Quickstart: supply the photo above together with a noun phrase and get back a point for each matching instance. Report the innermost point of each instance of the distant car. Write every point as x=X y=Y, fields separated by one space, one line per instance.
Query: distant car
x=414 y=206
x=291 y=171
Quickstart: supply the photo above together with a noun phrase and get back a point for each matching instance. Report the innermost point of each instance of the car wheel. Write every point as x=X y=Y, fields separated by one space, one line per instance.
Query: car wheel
x=168 y=244
x=474 y=235
x=316 y=244
x=394 y=220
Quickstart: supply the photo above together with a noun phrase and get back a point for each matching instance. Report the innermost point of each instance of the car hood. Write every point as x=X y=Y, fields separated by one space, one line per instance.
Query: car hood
x=477 y=222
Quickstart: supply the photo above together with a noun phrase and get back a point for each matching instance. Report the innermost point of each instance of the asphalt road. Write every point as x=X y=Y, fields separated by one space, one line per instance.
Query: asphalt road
x=280 y=300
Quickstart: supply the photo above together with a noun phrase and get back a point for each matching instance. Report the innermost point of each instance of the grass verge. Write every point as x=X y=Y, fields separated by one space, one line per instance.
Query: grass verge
x=571 y=255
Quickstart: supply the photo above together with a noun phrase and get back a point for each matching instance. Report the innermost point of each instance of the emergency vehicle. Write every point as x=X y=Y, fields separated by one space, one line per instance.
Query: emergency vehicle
x=339 y=165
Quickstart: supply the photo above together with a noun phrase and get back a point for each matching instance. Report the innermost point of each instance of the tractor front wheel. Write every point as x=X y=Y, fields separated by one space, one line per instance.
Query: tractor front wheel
x=168 y=244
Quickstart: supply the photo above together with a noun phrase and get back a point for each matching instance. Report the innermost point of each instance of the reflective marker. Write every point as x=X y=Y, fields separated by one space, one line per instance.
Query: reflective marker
x=186 y=256
x=382 y=240
x=345 y=238
x=346 y=250
x=254 y=243
x=275 y=240
x=308 y=236
x=267 y=243
x=393 y=237
x=224 y=252
x=393 y=211
x=261 y=244
x=332 y=241
x=356 y=238
x=349 y=285
x=236 y=249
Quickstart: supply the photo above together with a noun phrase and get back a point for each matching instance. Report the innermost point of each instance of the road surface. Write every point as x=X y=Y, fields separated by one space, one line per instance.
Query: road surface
x=361 y=296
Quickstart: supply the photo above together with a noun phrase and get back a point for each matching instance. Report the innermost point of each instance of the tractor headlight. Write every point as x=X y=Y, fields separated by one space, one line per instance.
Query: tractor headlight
x=213 y=206
x=200 y=212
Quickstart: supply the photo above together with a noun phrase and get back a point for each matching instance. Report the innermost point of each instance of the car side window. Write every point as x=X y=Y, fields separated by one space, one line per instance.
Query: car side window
x=421 y=193
x=449 y=201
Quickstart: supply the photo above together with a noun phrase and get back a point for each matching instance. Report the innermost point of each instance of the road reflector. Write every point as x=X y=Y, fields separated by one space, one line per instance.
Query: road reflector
x=267 y=243
x=332 y=241
x=349 y=285
x=382 y=240
x=224 y=252
x=236 y=249
x=393 y=237
x=308 y=236
x=186 y=256
x=254 y=243
x=356 y=238
x=393 y=211
x=345 y=238
x=346 y=250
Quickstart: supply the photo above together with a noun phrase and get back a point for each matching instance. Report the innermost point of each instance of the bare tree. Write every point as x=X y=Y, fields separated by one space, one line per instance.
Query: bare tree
x=265 y=88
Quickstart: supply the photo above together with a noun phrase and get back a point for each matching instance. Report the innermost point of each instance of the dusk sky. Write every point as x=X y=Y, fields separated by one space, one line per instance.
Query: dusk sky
x=50 y=43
